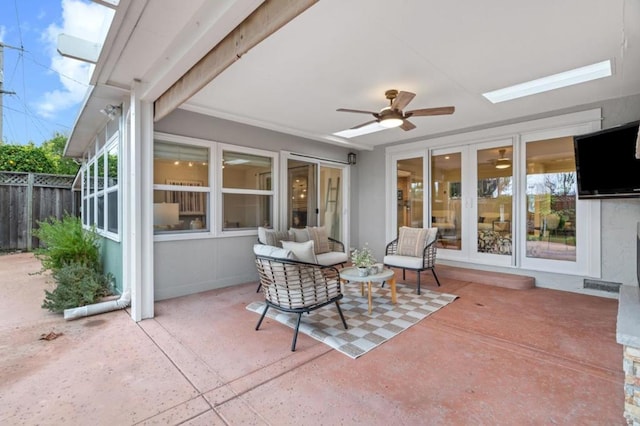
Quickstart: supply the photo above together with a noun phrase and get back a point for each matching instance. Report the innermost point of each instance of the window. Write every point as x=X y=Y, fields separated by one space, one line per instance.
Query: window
x=100 y=190
x=446 y=209
x=495 y=200
x=523 y=214
x=112 y=188
x=551 y=199
x=181 y=187
x=247 y=189
x=193 y=199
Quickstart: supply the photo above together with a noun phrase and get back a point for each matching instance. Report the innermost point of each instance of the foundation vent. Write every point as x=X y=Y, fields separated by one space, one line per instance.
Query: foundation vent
x=602 y=285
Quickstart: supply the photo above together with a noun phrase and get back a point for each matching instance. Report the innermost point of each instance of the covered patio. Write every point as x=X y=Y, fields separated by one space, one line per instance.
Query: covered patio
x=494 y=356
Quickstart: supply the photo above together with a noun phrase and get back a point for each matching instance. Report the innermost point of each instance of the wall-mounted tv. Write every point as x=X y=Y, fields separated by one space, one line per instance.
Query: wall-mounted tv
x=606 y=164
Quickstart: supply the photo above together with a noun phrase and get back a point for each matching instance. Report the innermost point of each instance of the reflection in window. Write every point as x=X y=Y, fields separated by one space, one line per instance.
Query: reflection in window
x=245 y=211
x=495 y=194
x=410 y=192
x=551 y=199
x=446 y=174
x=246 y=171
x=247 y=194
x=181 y=187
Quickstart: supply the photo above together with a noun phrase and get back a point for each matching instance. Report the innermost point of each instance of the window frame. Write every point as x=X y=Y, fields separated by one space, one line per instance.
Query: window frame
x=220 y=190
x=589 y=245
x=215 y=191
x=91 y=190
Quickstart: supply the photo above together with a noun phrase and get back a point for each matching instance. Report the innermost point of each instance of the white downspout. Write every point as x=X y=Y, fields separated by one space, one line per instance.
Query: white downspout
x=99 y=308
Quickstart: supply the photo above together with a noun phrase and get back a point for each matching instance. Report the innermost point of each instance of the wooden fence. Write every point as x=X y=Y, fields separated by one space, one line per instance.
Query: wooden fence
x=25 y=199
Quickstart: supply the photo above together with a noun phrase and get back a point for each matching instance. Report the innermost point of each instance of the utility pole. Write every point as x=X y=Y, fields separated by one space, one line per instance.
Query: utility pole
x=2 y=91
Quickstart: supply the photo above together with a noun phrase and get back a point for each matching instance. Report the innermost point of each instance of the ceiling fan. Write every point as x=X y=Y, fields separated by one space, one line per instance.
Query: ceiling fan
x=393 y=116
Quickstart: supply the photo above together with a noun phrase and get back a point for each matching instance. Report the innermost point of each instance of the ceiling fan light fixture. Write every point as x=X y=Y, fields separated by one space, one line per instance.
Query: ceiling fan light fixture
x=391 y=122
x=502 y=162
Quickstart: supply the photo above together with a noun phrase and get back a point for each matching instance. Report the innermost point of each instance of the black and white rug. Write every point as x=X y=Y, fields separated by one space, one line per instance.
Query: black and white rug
x=366 y=331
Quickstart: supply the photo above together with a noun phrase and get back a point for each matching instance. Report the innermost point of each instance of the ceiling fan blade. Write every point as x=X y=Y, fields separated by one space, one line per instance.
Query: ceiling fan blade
x=402 y=100
x=407 y=125
x=431 y=111
x=364 y=124
x=355 y=110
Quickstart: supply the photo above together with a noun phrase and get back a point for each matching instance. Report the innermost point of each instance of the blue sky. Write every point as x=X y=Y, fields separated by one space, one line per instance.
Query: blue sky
x=49 y=89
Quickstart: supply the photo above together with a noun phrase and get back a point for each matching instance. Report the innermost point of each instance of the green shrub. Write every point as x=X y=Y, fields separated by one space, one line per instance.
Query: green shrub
x=78 y=285
x=65 y=242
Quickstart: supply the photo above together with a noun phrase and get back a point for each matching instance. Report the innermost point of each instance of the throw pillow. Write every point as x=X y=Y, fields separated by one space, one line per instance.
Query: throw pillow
x=299 y=235
x=271 y=251
x=432 y=233
x=411 y=241
x=272 y=237
x=303 y=252
x=320 y=238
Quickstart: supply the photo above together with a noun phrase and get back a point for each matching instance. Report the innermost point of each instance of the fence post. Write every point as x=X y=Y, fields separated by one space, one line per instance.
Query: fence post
x=29 y=207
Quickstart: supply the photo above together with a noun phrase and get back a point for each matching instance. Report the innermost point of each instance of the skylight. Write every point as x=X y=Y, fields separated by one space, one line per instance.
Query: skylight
x=555 y=81
x=364 y=130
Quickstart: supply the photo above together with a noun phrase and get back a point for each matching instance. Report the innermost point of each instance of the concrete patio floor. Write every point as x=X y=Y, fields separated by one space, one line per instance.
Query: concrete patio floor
x=495 y=356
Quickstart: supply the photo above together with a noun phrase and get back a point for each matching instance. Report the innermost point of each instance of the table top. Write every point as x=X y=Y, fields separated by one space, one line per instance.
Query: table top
x=351 y=274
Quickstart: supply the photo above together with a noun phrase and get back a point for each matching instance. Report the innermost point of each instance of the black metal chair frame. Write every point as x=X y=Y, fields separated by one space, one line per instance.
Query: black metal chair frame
x=428 y=260
x=298 y=287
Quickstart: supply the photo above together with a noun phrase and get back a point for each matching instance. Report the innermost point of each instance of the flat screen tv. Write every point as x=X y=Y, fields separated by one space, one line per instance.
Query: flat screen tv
x=606 y=164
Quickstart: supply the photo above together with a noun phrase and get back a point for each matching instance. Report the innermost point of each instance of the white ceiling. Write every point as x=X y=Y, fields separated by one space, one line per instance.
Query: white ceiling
x=346 y=53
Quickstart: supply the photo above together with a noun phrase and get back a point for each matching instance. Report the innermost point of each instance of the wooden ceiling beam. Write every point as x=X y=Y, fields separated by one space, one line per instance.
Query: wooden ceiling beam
x=269 y=17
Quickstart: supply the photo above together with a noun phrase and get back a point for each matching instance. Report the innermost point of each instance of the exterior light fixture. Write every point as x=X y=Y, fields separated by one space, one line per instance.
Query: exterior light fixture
x=111 y=111
x=351 y=158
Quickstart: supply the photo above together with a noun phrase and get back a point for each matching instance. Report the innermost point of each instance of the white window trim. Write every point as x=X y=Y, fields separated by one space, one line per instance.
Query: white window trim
x=589 y=250
x=220 y=190
x=92 y=198
x=211 y=213
x=215 y=190
x=345 y=189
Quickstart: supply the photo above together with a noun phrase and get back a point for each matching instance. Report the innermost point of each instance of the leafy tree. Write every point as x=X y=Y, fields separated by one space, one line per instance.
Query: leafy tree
x=54 y=149
x=43 y=159
x=24 y=158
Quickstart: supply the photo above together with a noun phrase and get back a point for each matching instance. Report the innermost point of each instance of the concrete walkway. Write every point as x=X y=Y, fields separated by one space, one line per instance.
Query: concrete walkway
x=495 y=356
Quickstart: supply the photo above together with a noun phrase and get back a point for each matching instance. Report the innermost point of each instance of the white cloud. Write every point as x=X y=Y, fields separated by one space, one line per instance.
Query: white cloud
x=89 y=21
x=3 y=32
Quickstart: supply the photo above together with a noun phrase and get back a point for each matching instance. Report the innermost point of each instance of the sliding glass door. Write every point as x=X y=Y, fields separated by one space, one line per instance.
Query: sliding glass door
x=315 y=196
x=410 y=192
x=446 y=198
x=494 y=207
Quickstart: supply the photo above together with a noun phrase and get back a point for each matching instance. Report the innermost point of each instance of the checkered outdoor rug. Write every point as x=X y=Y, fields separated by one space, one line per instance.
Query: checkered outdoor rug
x=366 y=331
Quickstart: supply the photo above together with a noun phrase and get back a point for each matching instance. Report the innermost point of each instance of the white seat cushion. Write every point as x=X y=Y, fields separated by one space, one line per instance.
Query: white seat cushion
x=332 y=258
x=403 y=261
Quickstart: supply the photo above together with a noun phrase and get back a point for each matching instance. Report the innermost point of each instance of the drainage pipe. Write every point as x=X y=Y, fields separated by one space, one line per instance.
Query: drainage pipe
x=99 y=308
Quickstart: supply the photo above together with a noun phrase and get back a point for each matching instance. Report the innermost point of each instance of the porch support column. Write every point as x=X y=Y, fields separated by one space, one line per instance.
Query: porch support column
x=137 y=208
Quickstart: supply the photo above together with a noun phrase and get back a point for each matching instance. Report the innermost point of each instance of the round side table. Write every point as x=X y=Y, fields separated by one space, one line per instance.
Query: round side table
x=388 y=275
